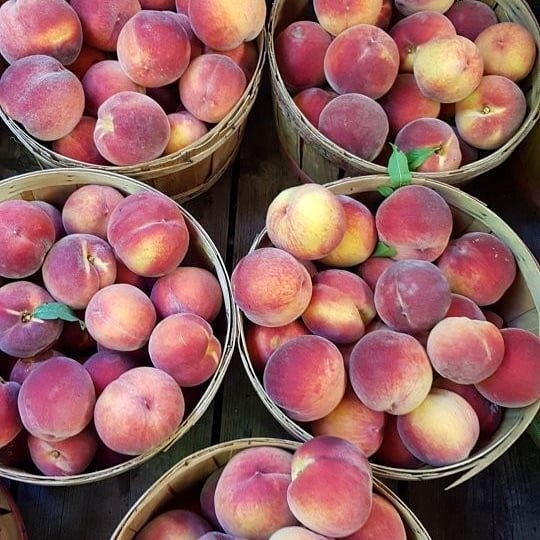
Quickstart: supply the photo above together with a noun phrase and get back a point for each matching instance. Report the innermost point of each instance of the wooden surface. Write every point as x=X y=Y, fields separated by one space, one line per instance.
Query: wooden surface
x=500 y=503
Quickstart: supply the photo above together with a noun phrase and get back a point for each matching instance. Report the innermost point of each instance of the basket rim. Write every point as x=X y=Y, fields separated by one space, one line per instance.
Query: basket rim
x=237 y=445
x=79 y=176
x=482 y=458
x=183 y=158
x=326 y=147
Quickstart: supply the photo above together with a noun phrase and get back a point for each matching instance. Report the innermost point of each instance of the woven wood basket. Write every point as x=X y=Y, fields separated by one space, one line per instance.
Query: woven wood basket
x=11 y=522
x=185 y=173
x=196 y=468
x=314 y=158
x=520 y=307
x=54 y=186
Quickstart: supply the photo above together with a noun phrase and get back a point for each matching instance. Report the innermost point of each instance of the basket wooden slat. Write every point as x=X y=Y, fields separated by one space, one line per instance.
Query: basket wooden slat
x=197 y=467
x=520 y=307
x=55 y=185
x=185 y=173
x=315 y=158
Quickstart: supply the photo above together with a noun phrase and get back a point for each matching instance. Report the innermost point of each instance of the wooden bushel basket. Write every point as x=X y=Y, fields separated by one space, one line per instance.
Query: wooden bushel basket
x=520 y=307
x=196 y=468
x=315 y=158
x=185 y=173
x=54 y=186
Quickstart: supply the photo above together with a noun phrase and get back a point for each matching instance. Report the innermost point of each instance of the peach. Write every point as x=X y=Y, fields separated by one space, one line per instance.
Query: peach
x=26 y=234
x=251 y=493
x=516 y=382
x=311 y=102
x=125 y=275
x=399 y=303
x=392 y=452
x=10 y=420
x=478 y=265
x=166 y=97
x=214 y=535
x=372 y=268
x=489 y=414
x=87 y=209
x=319 y=463
x=465 y=350
x=469 y=154
x=185 y=130
x=353 y=286
x=508 y=49
x=106 y=366
x=157 y=4
x=148 y=233
x=295 y=532
x=385 y=15
x=206 y=497
x=196 y=46
x=353 y=421
x=102 y=80
x=64 y=458
x=15 y=453
x=416 y=221
x=335 y=16
x=245 y=55
x=23 y=334
x=308 y=221
x=54 y=214
x=470 y=17
x=384 y=521
x=360 y=235
x=408 y=7
x=442 y=430
x=211 y=86
x=56 y=400
x=300 y=49
x=271 y=287
x=26 y=90
x=494 y=318
x=222 y=25
x=360 y=50
x=79 y=143
x=188 y=289
x=75 y=340
x=431 y=133
x=305 y=377
x=76 y=267
x=182 y=6
x=26 y=29
x=461 y=306
x=415 y=30
x=491 y=115
x=120 y=317
x=102 y=22
x=390 y=371
x=131 y=128
x=174 y=524
x=138 y=410
x=184 y=346
x=24 y=366
x=262 y=341
x=404 y=103
x=87 y=57
x=448 y=69
x=142 y=52
x=365 y=136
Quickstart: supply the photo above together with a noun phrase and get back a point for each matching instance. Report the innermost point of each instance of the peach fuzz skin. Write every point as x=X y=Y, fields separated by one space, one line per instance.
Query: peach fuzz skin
x=335 y=16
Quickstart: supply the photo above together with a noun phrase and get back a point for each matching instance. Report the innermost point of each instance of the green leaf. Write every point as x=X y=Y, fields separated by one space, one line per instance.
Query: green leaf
x=385 y=191
x=398 y=168
x=384 y=250
x=56 y=310
x=416 y=157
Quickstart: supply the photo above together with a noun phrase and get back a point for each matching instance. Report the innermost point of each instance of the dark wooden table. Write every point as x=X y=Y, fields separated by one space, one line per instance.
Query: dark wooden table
x=502 y=502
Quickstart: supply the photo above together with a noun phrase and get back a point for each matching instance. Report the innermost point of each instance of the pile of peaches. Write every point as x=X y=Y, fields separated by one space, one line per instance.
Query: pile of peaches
x=270 y=493
x=104 y=336
x=381 y=326
x=124 y=82
x=433 y=74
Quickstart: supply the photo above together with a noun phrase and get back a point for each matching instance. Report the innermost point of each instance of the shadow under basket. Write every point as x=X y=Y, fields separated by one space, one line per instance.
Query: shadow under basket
x=194 y=470
x=314 y=158
x=519 y=307
x=181 y=175
x=54 y=186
